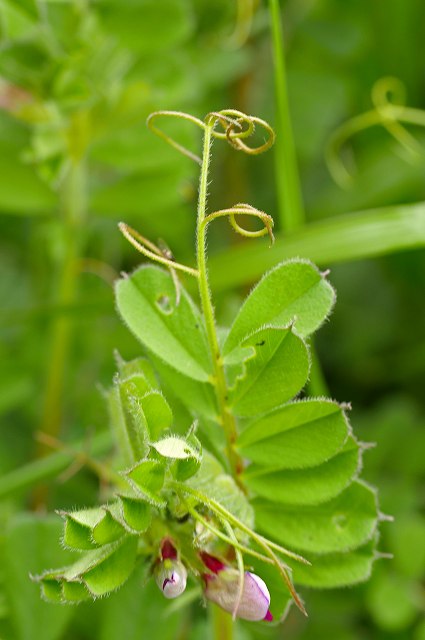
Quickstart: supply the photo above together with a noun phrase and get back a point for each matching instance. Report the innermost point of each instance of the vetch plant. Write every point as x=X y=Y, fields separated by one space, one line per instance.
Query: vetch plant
x=226 y=475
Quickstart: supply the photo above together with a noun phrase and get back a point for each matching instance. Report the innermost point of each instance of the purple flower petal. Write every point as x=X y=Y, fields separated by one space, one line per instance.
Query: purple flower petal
x=212 y=563
x=223 y=589
x=168 y=550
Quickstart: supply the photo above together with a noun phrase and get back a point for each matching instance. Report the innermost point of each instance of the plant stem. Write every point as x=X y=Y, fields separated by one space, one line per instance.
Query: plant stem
x=222 y=623
x=291 y=210
x=72 y=203
x=227 y=418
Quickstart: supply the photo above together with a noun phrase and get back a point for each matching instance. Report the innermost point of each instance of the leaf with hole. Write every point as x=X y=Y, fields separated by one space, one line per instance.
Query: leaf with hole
x=175 y=332
x=341 y=524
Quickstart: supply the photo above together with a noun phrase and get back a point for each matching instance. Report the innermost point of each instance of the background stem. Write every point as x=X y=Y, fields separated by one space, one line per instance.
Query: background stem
x=73 y=209
x=222 y=623
x=290 y=203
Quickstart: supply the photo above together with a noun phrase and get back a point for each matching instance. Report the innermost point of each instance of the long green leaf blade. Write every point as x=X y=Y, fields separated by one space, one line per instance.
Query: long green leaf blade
x=352 y=236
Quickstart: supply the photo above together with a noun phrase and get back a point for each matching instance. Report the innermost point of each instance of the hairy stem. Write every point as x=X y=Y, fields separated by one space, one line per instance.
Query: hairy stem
x=227 y=418
x=291 y=211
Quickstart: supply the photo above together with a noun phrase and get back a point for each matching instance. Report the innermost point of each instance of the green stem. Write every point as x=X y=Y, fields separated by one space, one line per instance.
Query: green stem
x=227 y=418
x=72 y=202
x=222 y=623
x=291 y=210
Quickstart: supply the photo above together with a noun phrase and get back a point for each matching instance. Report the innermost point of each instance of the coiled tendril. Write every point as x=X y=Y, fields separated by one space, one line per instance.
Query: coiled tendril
x=235 y=127
x=388 y=98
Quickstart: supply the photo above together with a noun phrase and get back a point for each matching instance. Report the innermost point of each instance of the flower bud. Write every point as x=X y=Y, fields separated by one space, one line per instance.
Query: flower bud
x=171 y=576
x=222 y=586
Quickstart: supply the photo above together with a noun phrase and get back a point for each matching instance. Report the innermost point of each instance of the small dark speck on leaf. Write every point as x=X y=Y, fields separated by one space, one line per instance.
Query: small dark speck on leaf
x=260 y=344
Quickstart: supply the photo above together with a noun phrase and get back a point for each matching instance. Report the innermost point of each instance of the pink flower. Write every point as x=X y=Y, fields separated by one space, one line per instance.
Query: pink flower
x=222 y=586
x=170 y=574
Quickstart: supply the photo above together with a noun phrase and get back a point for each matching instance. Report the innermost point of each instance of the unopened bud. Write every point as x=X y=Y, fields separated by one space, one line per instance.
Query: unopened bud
x=222 y=586
x=171 y=576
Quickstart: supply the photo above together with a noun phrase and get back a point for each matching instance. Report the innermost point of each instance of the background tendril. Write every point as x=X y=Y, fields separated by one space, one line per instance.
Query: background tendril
x=388 y=98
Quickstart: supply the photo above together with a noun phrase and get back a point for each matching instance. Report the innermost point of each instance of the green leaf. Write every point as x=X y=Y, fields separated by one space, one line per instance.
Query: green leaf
x=32 y=542
x=306 y=486
x=293 y=291
x=128 y=423
x=213 y=482
x=101 y=571
x=147 y=303
x=148 y=478
x=88 y=528
x=138 y=366
x=186 y=453
x=107 y=529
x=198 y=397
x=74 y=592
x=274 y=373
x=78 y=526
x=157 y=413
x=299 y=435
x=136 y=513
x=341 y=524
x=333 y=570
x=176 y=448
x=110 y=573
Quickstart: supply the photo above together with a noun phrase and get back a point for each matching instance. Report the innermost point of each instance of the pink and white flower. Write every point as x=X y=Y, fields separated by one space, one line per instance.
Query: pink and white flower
x=222 y=586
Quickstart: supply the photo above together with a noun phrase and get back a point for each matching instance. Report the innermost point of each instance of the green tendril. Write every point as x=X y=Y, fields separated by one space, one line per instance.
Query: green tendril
x=388 y=96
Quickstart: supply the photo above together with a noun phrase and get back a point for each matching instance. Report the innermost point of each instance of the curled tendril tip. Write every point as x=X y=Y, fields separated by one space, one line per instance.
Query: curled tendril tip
x=236 y=127
x=388 y=99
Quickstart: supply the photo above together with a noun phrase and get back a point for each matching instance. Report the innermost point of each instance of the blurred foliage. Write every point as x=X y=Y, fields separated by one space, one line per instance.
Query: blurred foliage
x=78 y=80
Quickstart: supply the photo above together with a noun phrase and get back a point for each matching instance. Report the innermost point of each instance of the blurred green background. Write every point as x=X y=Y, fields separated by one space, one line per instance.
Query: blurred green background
x=78 y=79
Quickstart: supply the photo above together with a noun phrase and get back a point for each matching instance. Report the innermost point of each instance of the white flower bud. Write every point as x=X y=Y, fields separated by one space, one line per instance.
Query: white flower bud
x=171 y=576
